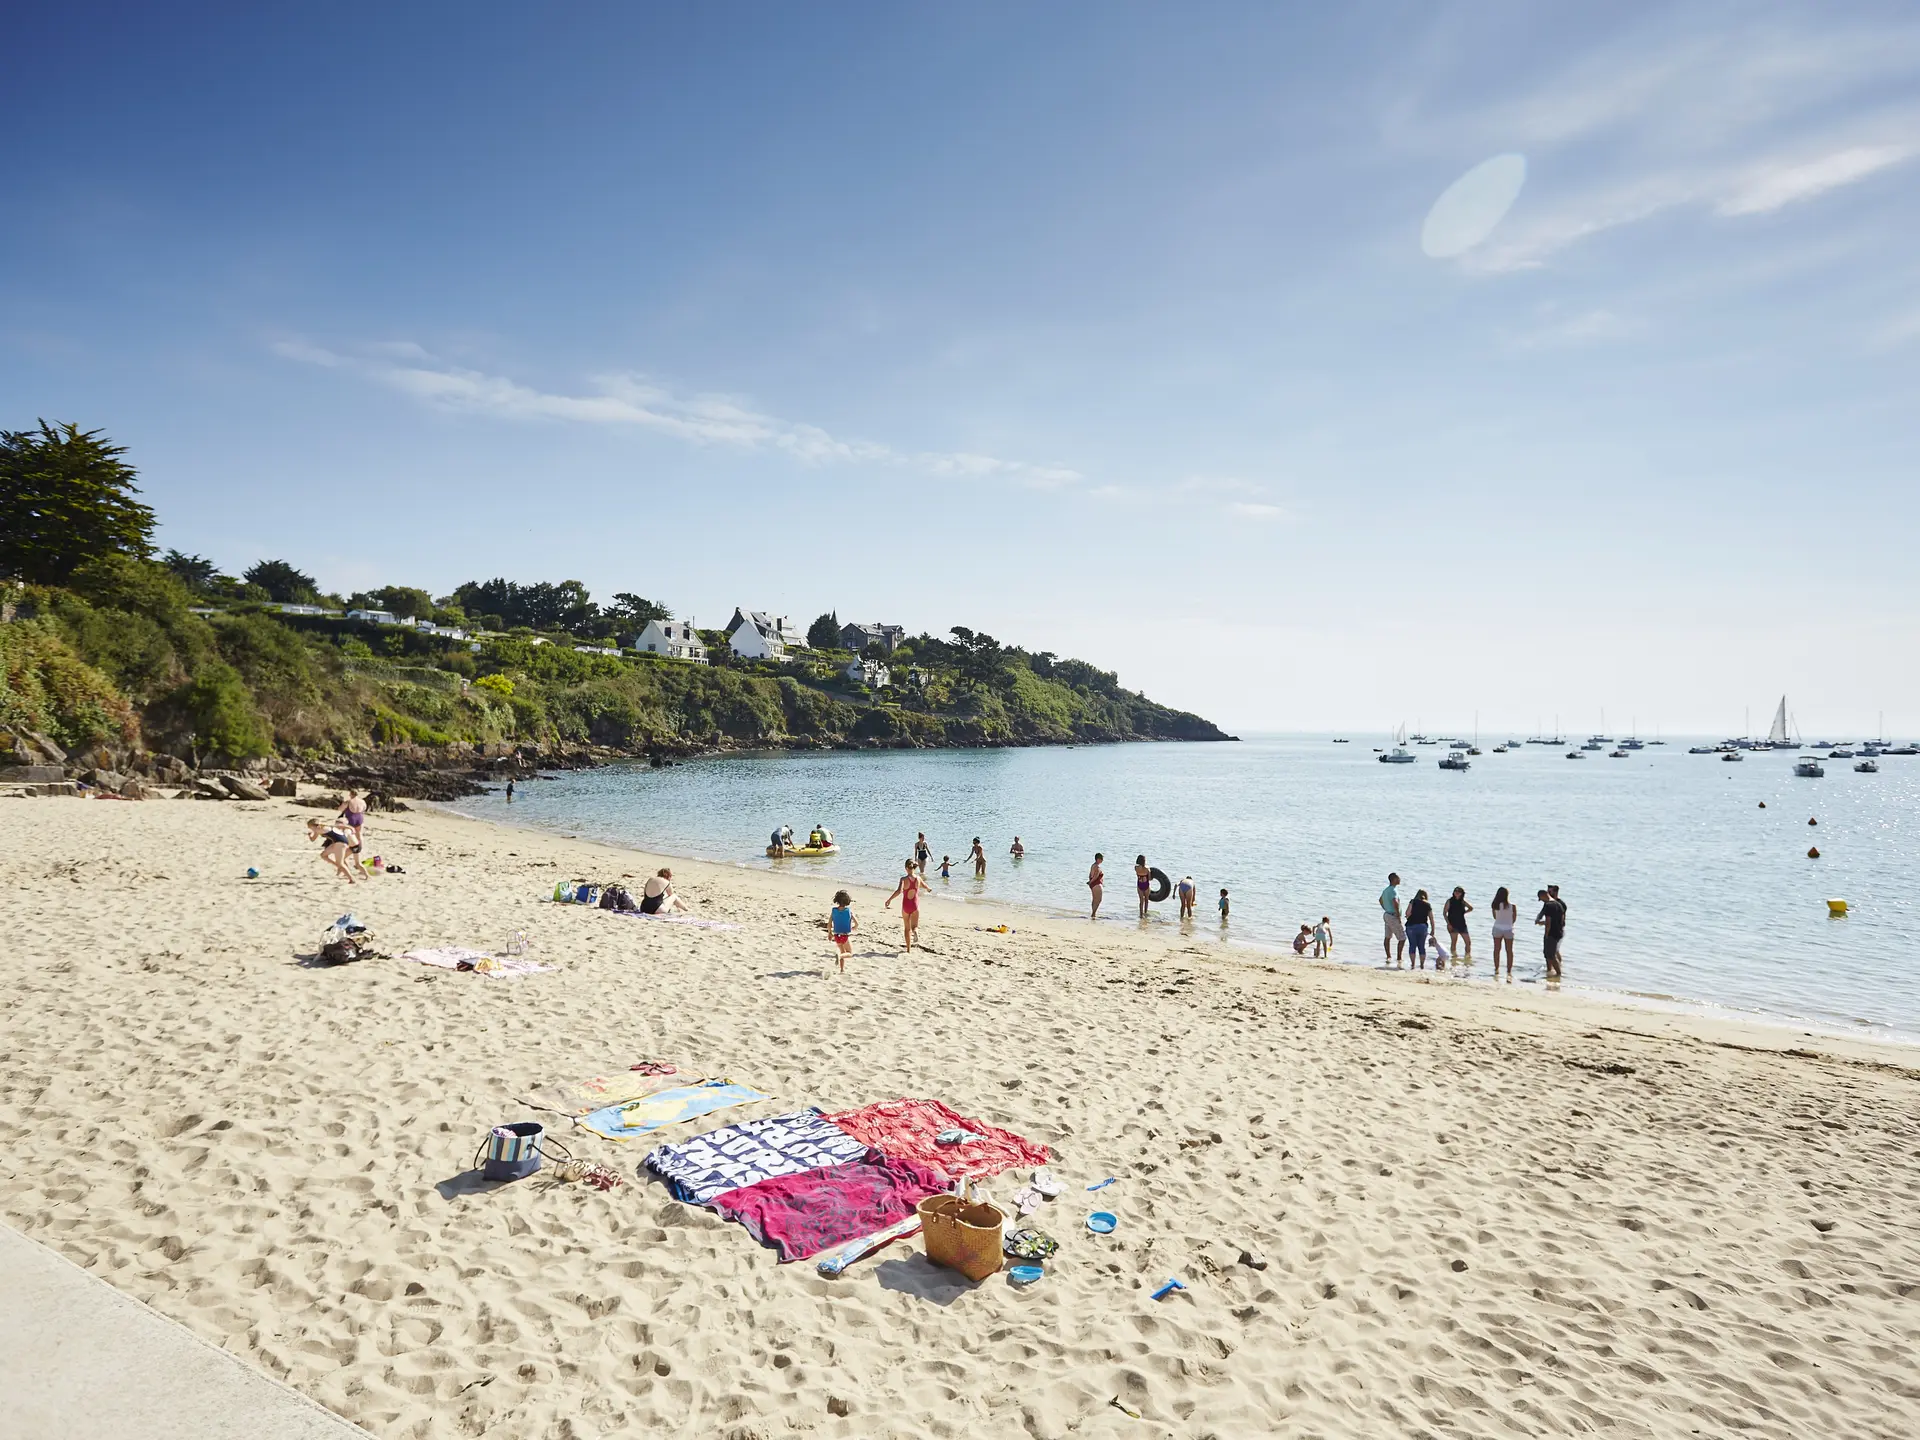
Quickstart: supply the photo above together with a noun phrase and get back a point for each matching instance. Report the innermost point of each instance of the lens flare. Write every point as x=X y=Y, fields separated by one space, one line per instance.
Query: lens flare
x=1469 y=209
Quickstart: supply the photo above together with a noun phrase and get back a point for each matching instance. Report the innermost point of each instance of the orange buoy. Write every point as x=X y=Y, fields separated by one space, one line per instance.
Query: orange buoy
x=1813 y=852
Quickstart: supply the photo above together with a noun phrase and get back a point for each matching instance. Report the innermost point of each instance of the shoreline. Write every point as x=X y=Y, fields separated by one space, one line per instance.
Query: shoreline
x=1527 y=1209
x=1707 y=1012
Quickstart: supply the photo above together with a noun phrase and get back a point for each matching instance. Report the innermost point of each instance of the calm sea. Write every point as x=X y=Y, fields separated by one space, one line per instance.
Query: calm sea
x=1681 y=887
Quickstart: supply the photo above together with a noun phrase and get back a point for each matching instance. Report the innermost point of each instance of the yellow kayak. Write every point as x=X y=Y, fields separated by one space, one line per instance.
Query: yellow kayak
x=776 y=852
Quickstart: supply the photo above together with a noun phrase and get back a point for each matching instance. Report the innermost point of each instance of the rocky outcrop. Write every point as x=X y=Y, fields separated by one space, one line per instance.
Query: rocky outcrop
x=242 y=788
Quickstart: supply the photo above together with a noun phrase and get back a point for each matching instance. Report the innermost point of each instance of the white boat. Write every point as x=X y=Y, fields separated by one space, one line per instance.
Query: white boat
x=1840 y=752
x=1593 y=745
x=1455 y=761
x=1731 y=755
x=1499 y=749
x=1399 y=754
x=1810 y=768
x=1616 y=755
x=1700 y=750
x=1575 y=755
x=1868 y=767
x=1777 y=736
x=1631 y=744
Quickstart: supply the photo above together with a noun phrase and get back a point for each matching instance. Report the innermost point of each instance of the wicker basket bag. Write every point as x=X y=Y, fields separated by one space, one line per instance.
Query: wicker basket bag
x=963 y=1235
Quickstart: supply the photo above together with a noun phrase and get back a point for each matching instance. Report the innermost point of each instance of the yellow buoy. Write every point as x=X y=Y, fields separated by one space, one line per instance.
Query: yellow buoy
x=1836 y=907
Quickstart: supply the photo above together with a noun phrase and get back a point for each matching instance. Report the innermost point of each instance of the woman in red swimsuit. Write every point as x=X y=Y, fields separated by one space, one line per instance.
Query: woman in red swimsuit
x=909 y=892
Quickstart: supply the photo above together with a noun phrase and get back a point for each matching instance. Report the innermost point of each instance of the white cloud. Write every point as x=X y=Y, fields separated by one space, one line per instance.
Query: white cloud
x=1255 y=510
x=1583 y=327
x=1739 y=120
x=624 y=399
x=1784 y=184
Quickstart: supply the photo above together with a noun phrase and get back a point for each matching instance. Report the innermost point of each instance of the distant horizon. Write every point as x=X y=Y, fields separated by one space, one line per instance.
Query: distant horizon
x=1295 y=365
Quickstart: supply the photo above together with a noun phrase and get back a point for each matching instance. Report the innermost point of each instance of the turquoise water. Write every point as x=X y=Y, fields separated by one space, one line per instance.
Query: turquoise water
x=1679 y=885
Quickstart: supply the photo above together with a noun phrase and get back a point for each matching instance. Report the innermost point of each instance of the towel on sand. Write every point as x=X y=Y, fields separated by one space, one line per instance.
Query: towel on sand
x=697 y=1170
x=648 y=1113
x=577 y=1097
x=801 y=1215
x=459 y=957
x=905 y=1130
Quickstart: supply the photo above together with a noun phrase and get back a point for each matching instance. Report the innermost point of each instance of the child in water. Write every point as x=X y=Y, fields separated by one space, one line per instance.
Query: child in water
x=843 y=923
x=1322 y=937
x=1223 y=906
x=946 y=867
x=1300 y=941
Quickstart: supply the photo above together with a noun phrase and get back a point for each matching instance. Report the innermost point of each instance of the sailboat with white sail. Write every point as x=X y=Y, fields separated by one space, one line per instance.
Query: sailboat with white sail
x=1399 y=755
x=1777 y=736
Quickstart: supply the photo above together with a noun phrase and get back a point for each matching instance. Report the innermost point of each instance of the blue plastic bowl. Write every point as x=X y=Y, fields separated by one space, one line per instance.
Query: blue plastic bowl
x=1025 y=1274
x=1101 y=1222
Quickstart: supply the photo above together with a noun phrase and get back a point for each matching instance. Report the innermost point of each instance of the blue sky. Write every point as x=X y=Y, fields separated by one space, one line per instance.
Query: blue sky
x=1113 y=330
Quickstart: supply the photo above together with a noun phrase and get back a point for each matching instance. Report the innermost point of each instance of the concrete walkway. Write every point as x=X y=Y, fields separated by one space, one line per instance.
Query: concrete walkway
x=81 y=1361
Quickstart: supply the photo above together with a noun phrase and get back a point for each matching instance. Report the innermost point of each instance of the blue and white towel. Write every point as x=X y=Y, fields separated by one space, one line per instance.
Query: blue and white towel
x=721 y=1160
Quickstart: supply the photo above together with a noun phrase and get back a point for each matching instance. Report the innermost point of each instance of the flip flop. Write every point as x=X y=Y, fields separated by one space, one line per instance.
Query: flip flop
x=1101 y=1222
x=1044 y=1182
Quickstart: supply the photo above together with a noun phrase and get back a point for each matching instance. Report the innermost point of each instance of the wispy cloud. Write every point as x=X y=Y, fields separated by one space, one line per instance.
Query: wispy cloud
x=1737 y=121
x=635 y=400
x=1558 y=329
x=1779 y=184
x=1255 y=510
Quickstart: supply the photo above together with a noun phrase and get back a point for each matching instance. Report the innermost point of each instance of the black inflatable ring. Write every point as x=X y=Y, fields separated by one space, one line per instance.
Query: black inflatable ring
x=1162 y=886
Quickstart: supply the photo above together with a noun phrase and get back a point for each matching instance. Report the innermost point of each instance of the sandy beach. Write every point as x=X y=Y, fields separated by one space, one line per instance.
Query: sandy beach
x=1482 y=1213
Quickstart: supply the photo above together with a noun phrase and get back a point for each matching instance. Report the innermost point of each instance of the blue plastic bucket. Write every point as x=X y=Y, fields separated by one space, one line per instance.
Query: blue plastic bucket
x=513 y=1151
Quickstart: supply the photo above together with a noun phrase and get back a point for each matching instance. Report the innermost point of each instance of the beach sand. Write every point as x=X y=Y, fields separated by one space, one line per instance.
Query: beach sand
x=1485 y=1213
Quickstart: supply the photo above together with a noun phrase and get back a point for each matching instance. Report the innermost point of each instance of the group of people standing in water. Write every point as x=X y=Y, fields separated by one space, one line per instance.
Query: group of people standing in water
x=1414 y=929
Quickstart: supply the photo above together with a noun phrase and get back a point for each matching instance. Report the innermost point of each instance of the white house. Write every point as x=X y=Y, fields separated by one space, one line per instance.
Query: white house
x=676 y=639
x=756 y=635
x=373 y=617
x=870 y=673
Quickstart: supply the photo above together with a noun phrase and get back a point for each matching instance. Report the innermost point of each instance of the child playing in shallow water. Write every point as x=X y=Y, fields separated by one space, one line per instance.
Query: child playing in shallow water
x=843 y=923
x=1223 y=907
x=1322 y=937
x=1301 y=940
x=946 y=867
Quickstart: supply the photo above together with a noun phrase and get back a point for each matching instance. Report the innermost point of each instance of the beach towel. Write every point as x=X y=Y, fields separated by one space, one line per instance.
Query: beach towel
x=632 y=1118
x=801 y=1215
x=906 y=1130
x=697 y=1170
x=459 y=957
x=577 y=1097
x=446 y=957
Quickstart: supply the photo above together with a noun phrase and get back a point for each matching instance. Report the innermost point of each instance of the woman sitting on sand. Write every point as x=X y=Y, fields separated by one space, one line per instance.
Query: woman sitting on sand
x=334 y=846
x=657 y=897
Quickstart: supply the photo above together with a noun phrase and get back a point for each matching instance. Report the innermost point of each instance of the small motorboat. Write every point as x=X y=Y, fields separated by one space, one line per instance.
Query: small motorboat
x=1904 y=750
x=1473 y=749
x=1700 y=750
x=1399 y=755
x=1575 y=755
x=1809 y=768
x=1339 y=742
x=1633 y=744
x=1455 y=761
x=1867 y=767
x=1840 y=752
x=1460 y=745
x=1731 y=755
x=1616 y=755
x=1593 y=745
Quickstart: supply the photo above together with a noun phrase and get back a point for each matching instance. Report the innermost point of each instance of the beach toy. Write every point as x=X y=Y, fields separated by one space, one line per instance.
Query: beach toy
x=1024 y=1275
x=1167 y=1289
x=1110 y=1180
x=1836 y=907
x=1102 y=1222
x=252 y=874
x=1162 y=886
x=512 y=1151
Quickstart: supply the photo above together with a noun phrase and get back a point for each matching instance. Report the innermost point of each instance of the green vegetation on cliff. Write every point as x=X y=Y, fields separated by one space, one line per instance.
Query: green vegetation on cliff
x=100 y=643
